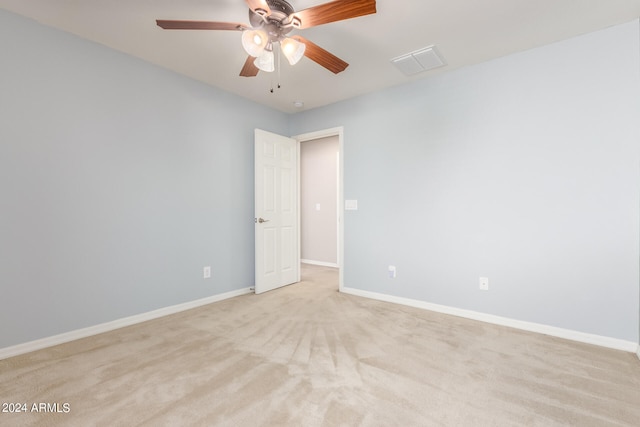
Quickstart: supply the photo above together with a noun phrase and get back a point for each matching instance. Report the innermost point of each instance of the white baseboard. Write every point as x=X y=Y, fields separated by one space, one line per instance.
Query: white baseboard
x=27 y=347
x=320 y=263
x=599 y=340
x=638 y=351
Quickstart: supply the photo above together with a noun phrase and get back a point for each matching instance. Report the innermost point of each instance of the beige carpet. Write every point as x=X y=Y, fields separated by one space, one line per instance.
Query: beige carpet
x=306 y=355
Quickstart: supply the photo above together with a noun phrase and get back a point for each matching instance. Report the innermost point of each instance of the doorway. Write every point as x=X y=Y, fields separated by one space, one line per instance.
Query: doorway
x=319 y=202
x=321 y=199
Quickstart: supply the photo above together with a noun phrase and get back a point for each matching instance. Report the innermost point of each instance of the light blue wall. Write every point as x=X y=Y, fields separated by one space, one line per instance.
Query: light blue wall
x=119 y=181
x=524 y=169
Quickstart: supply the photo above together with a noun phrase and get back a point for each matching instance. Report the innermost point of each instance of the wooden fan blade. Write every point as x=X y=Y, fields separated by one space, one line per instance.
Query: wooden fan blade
x=200 y=25
x=259 y=6
x=321 y=56
x=249 y=69
x=334 y=11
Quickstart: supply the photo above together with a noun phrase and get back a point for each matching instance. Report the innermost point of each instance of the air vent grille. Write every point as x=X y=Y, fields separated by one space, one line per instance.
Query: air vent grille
x=418 y=61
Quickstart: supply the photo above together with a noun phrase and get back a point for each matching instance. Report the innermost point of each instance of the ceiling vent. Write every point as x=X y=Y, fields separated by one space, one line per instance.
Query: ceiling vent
x=418 y=61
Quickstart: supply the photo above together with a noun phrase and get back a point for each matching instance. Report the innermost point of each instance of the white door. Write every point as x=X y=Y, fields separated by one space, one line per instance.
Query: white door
x=276 y=211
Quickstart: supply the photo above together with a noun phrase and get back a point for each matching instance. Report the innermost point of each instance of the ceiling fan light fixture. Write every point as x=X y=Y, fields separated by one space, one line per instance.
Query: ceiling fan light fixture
x=265 y=61
x=271 y=21
x=254 y=42
x=293 y=50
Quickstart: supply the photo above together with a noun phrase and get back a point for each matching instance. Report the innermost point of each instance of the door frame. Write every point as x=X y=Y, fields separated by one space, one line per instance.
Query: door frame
x=339 y=132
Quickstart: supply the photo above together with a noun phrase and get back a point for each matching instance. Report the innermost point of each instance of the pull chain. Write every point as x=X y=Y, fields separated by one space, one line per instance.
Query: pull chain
x=278 y=68
x=278 y=71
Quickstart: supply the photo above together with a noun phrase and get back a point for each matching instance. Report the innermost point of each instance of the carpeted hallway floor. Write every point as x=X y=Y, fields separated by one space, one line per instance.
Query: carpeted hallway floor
x=306 y=355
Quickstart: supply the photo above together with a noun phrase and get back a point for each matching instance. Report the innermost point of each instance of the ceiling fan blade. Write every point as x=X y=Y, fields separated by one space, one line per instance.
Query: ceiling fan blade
x=321 y=56
x=200 y=25
x=249 y=69
x=259 y=6
x=334 y=11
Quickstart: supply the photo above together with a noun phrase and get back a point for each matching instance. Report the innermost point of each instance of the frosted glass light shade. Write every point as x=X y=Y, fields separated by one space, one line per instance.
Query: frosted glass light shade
x=265 y=61
x=293 y=50
x=254 y=42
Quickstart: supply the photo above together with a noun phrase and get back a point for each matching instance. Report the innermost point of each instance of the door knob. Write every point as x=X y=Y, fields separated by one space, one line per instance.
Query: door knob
x=260 y=220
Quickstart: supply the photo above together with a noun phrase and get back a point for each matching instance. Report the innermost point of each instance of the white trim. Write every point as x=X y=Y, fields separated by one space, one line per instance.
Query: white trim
x=320 y=263
x=638 y=351
x=599 y=340
x=299 y=194
x=27 y=347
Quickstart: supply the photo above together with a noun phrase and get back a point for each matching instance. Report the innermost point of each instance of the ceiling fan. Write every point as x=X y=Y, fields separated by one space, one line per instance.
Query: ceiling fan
x=271 y=22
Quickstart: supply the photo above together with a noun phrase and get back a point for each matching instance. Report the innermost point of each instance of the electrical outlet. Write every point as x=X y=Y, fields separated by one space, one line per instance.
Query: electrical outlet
x=206 y=272
x=484 y=283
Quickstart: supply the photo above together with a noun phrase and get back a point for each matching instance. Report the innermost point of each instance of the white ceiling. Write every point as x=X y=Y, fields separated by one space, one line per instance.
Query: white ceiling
x=464 y=31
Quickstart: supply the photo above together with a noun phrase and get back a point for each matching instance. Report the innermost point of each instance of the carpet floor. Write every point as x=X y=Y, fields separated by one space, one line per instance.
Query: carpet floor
x=307 y=355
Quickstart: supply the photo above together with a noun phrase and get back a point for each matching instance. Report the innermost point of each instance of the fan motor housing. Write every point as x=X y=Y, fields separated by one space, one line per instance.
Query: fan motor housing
x=280 y=10
x=280 y=6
